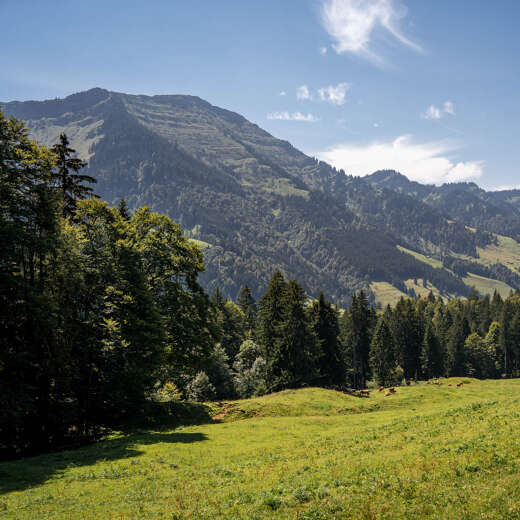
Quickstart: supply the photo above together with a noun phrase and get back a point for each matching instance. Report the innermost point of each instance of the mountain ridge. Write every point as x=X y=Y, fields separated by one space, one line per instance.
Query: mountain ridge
x=259 y=203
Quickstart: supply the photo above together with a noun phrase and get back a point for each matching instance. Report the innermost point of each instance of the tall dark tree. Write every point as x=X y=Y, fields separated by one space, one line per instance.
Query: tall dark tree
x=271 y=313
x=66 y=176
x=408 y=331
x=431 y=354
x=382 y=352
x=456 y=357
x=357 y=326
x=324 y=319
x=247 y=304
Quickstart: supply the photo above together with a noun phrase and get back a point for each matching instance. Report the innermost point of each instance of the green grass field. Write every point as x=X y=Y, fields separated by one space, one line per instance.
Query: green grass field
x=437 y=452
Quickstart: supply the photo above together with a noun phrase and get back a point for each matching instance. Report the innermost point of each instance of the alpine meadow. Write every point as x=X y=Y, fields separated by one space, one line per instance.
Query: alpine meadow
x=198 y=320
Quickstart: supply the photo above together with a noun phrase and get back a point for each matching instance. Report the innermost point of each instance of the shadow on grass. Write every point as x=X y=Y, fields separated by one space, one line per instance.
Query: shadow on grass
x=18 y=475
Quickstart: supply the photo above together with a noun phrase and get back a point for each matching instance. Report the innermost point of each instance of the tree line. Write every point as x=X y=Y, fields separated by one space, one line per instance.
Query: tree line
x=101 y=312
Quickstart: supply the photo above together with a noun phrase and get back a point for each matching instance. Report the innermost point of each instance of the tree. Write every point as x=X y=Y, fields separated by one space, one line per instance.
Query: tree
x=247 y=304
x=324 y=320
x=201 y=389
x=249 y=370
x=356 y=326
x=382 y=357
x=480 y=357
x=271 y=309
x=431 y=355
x=456 y=358
x=67 y=178
x=31 y=388
x=408 y=331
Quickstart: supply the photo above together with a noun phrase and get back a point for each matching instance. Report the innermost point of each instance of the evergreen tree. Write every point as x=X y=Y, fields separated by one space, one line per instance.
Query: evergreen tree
x=271 y=313
x=67 y=178
x=324 y=319
x=356 y=333
x=456 y=358
x=431 y=355
x=247 y=304
x=382 y=350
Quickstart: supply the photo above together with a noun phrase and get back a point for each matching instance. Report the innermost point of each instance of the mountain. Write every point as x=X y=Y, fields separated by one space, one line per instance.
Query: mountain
x=494 y=211
x=255 y=203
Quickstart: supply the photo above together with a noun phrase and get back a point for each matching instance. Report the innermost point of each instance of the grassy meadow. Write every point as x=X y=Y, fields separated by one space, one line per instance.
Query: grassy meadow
x=428 y=451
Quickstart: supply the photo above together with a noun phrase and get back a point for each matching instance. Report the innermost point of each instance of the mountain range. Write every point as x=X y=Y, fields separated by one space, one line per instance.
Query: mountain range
x=255 y=203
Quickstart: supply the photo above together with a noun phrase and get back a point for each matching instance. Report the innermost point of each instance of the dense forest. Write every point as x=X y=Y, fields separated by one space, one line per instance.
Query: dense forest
x=101 y=313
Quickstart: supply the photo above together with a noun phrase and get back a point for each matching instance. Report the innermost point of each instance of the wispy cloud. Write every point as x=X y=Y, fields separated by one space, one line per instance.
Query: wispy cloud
x=323 y=51
x=334 y=94
x=433 y=112
x=303 y=93
x=295 y=116
x=506 y=188
x=351 y=25
x=429 y=162
x=283 y=93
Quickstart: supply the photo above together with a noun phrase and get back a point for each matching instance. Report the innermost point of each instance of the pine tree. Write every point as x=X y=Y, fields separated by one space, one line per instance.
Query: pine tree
x=247 y=304
x=271 y=310
x=356 y=332
x=457 y=335
x=382 y=357
x=431 y=356
x=67 y=178
x=293 y=361
x=324 y=319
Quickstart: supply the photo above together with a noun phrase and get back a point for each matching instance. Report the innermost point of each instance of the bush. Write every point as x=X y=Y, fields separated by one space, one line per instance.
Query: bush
x=201 y=389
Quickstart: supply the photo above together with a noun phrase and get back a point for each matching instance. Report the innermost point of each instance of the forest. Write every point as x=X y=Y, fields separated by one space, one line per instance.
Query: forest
x=102 y=313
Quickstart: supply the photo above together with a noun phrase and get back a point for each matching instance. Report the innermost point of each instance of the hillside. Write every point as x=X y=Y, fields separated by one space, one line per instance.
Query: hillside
x=255 y=202
x=427 y=452
x=494 y=211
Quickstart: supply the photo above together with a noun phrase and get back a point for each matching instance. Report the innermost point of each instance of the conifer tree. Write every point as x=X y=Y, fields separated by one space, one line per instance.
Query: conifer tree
x=330 y=361
x=382 y=358
x=357 y=338
x=67 y=178
x=456 y=358
x=271 y=309
x=247 y=304
x=431 y=356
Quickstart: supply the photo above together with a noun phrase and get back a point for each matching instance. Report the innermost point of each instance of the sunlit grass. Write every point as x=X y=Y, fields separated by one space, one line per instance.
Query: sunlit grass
x=426 y=452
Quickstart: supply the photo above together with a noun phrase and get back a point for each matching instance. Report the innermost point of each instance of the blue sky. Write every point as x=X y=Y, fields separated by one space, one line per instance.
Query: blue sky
x=428 y=87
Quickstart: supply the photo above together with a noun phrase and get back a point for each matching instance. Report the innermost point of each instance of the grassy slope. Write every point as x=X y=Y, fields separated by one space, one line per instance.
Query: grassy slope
x=386 y=293
x=507 y=252
x=487 y=285
x=426 y=452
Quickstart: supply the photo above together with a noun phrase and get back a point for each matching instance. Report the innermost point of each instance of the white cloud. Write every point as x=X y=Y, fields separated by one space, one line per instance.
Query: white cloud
x=323 y=51
x=295 y=116
x=334 y=94
x=433 y=112
x=506 y=188
x=449 y=108
x=428 y=162
x=283 y=93
x=303 y=93
x=351 y=24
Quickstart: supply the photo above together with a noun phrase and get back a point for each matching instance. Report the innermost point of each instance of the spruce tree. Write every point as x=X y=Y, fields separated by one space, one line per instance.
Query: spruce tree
x=431 y=355
x=382 y=349
x=324 y=319
x=357 y=337
x=67 y=178
x=247 y=304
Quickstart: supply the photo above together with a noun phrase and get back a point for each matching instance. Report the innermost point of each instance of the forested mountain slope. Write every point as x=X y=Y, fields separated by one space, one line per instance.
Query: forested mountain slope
x=495 y=211
x=254 y=202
